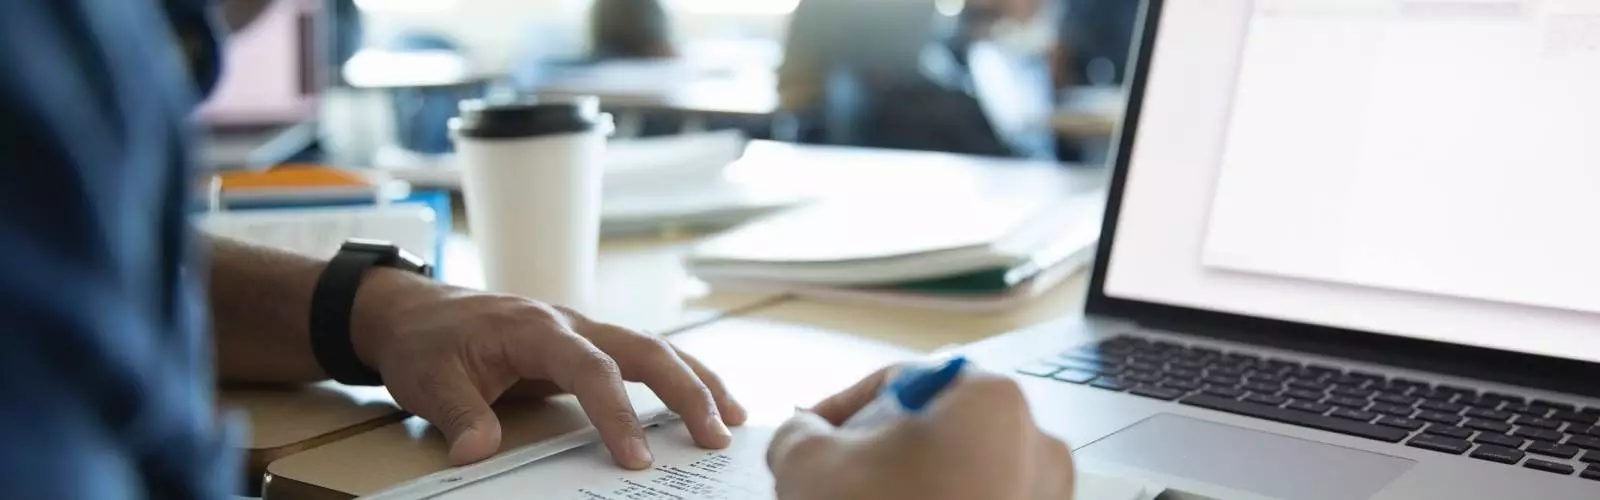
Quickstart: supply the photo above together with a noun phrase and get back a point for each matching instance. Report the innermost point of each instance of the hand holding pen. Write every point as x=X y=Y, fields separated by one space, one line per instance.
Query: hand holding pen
x=947 y=431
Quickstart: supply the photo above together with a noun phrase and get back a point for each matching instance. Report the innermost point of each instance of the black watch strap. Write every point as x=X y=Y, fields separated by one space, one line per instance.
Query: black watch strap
x=335 y=298
x=331 y=304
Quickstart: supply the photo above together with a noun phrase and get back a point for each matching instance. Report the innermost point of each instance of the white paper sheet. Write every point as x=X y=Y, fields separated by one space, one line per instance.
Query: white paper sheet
x=683 y=471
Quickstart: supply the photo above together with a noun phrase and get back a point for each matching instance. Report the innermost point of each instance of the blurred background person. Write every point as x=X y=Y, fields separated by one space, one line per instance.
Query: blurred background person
x=630 y=29
x=896 y=74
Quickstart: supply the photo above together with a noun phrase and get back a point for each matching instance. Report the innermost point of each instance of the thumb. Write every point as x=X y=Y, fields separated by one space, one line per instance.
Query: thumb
x=802 y=438
x=459 y=411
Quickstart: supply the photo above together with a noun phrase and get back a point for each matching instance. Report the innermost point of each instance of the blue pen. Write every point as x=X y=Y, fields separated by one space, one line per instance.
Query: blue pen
x=908 y=393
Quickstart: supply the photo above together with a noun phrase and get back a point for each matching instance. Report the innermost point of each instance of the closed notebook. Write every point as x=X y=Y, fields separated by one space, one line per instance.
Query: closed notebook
x=994 y=243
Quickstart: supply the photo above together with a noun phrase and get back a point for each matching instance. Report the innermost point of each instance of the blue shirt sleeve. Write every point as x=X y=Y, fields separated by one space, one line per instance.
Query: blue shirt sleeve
x=106 y=375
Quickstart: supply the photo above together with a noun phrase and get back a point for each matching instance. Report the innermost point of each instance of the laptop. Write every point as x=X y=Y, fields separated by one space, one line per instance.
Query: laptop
x=1349 y=253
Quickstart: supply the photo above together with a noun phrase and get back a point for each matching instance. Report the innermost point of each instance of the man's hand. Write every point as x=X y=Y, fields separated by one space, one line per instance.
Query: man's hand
x=447 y=353
x=977 y=440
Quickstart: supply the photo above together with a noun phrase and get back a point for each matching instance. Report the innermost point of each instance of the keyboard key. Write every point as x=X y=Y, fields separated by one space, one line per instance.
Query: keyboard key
x=1478 y=402
x=1305 y=374
x=1224 y=391
x=1303 y=394
x=1438 y=417
x=1456 y=390
x=1226 y=371
x=1282 y=364
x=1355 y=403
x=1574 y=417
x=1308 y=406
x=1554 y=405
x=1300 y=418
x=1265 y=378
x=1308 y=384
x=1261 y=387
x=1074 y=376
x=1542 y=423
x=1522 y=409
x=1499 y=440
x=1592 y=457
x=1487 y=425
x=1392 y=409
x=1400 y=423
x=1183 y=373
x=1111 y=384
x=1266 y=399
x=1345 y=379
x=1495 y=415
x=1357 y=415
x=1222 y=380
x=1368 y=376
x=1548 y=466
x=1038 y=369
x=1433 y=394
x=1448 y=430
x=1500 y=454
x=1142 y=377
x=1585 y=442
x=1505 y=398
x=1187 y=364
x=1413 y=383
x=1552 y=449
x=1439 y=443
x=1592 y=473
x=1161 y=393
x=1352 y=392
x=1592 y=410
x=1107 y=367
x=1586 y=431
x=1537 y=433
x=1181 y=384
x=1440 y=406
x=1144 y=365
x=1395 y=399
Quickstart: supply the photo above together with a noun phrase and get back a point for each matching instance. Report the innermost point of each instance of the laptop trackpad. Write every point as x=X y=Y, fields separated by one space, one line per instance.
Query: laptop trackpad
x=1254 y=461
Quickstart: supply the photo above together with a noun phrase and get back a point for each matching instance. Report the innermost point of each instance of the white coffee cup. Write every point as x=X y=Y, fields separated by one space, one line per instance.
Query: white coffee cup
x=533 y=177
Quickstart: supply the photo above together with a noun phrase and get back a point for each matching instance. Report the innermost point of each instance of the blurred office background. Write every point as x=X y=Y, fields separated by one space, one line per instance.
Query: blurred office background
x=374 y=81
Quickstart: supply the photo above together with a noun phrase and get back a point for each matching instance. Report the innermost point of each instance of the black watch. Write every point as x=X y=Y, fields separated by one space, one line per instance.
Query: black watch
x=334 y=298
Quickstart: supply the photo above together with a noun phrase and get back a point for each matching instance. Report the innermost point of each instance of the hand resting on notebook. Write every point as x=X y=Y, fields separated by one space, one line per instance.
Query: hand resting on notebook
x=978 y=440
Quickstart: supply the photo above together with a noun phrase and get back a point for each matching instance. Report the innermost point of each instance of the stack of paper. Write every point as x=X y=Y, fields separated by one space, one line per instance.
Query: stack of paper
x=971 y=254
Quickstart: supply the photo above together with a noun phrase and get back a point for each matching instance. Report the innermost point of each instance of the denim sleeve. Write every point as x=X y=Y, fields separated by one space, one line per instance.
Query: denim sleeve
x=104 y=376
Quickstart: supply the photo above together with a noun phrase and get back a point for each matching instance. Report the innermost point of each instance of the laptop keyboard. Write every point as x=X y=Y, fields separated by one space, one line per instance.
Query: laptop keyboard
x=1511 y=429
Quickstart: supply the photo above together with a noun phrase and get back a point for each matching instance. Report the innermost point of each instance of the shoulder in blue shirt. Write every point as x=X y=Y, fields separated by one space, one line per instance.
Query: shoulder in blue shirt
x=106 y=373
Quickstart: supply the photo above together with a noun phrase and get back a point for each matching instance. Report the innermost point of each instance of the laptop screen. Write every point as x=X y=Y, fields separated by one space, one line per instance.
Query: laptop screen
x=1421 y=168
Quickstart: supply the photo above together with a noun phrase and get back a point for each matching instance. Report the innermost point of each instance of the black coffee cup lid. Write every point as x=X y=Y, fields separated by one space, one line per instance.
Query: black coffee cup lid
x=524 y=117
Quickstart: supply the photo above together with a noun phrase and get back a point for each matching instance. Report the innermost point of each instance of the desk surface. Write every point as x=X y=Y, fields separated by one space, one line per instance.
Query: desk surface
x=870 y=173
x=641 y=283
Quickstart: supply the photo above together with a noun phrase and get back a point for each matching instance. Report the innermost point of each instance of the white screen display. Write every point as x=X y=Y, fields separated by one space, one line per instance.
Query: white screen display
x=1425 y=168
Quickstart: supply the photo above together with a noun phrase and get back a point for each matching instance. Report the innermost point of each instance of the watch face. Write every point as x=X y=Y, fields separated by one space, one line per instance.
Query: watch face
x=390 y=255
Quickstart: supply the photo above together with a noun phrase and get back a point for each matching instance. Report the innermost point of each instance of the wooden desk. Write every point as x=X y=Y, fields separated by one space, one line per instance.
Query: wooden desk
x=746 y=353
x=641 y=284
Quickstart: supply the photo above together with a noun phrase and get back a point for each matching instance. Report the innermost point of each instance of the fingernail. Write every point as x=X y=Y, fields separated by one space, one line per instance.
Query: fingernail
x=715 y=421
x=641 y=450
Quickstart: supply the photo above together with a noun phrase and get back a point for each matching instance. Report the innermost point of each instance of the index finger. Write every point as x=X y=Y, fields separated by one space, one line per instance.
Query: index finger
x=578 y=367
x=840 y=407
